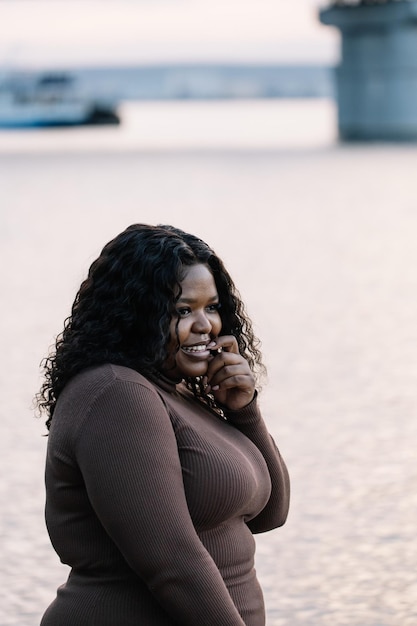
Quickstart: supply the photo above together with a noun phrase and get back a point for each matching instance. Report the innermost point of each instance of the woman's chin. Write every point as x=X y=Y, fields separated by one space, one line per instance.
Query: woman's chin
x=185 y=368
x=192 y=370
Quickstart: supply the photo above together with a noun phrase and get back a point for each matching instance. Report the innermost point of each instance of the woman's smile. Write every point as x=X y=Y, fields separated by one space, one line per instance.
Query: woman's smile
x=200 y=350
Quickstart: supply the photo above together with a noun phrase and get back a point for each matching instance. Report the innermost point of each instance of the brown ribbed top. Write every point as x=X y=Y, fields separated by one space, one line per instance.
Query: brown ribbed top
x=152 y=500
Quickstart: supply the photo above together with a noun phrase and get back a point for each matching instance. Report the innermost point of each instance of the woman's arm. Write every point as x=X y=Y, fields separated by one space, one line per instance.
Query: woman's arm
x=230 y=379
x=249 y=421
x=127 y=453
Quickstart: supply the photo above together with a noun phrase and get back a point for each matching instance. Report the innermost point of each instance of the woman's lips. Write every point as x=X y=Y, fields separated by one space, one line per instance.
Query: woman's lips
x=198 y=351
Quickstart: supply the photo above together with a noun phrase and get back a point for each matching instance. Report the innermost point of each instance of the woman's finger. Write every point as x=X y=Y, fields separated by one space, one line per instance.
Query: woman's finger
x=222 y=360
x=234 y=375
x=228 y=343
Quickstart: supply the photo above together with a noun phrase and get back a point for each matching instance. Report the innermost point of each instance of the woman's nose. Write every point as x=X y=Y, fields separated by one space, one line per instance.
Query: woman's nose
x=202 y=324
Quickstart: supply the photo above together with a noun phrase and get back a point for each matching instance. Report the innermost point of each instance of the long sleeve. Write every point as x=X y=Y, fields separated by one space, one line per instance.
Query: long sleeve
x=249 y=421
x=127 y=453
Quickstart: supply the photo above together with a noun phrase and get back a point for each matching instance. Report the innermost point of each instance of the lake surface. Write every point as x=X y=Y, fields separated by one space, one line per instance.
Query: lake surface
x=321 y=240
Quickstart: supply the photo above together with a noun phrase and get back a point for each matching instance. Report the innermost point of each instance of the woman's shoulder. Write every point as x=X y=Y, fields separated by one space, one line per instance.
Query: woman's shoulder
x=99 y=386
x=95 y=380
x=99 y=395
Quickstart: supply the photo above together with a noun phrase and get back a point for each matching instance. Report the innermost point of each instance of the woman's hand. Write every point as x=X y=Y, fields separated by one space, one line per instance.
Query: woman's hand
x=229 y=377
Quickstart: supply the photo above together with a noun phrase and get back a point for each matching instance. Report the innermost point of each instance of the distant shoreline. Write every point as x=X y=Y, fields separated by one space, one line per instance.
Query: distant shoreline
x=183 y=81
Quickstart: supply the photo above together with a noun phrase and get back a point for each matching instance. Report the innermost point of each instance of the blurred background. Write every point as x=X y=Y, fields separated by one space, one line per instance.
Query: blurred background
x=221 y=118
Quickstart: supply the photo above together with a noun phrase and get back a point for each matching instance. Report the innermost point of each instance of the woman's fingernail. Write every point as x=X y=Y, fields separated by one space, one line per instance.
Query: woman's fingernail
x=215 y=388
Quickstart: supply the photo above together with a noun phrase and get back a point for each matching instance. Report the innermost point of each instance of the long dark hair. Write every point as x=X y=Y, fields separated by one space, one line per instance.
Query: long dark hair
x=122 y=311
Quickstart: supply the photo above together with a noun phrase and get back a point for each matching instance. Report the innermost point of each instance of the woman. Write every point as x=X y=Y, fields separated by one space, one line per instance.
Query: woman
x=159 y=466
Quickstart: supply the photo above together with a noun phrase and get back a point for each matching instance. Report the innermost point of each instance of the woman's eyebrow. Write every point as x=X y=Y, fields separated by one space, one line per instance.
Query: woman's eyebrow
x=186 y=300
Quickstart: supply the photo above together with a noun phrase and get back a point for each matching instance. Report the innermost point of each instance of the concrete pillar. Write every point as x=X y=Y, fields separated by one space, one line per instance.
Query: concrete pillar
x=377 y=76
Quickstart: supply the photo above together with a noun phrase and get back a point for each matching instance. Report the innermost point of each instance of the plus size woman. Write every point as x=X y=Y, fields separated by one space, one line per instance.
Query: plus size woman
x=159 y=465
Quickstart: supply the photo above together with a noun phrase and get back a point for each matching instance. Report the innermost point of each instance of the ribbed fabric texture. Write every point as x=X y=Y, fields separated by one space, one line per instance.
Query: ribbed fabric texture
x=152 y=501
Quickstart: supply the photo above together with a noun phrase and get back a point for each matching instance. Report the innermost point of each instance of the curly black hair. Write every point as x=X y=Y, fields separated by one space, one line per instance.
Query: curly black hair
x=123 y=309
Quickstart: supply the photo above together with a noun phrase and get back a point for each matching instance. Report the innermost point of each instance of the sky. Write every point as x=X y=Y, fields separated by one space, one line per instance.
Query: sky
x=68 y=32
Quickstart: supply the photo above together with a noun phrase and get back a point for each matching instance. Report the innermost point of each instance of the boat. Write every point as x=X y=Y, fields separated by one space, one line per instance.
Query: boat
x=50 y=99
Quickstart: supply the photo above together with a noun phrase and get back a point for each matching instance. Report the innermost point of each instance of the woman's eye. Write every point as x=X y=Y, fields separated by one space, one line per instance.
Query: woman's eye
x=213 y=307
x=183 y=312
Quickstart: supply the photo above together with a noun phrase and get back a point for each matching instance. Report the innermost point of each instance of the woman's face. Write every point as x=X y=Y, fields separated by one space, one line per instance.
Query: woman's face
x=197 y=323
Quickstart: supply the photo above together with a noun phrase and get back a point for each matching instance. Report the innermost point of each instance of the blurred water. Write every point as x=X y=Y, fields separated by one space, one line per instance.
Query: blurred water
x=321 y=240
